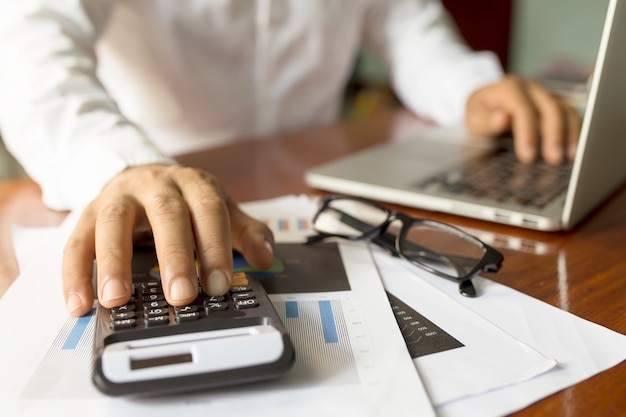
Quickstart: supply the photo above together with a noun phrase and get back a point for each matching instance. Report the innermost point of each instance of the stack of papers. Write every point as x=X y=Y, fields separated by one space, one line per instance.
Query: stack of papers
x=403 y=342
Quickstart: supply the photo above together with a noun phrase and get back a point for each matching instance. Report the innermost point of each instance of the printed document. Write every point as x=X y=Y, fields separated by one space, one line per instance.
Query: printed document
x=351 y=359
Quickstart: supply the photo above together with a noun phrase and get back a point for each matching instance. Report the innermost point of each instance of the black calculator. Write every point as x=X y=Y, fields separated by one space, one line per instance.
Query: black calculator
x=148 y=346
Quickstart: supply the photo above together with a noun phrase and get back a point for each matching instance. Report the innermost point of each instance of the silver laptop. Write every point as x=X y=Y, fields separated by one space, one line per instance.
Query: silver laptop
x=437 y=170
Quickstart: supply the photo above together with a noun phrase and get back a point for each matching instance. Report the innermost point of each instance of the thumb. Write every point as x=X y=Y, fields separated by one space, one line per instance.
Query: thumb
x=486 y=121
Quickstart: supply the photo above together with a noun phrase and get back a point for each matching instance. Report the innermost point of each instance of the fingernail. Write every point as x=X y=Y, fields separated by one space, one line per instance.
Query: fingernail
x=556 y=154
x=217 y=283
x=261 y=238
x=74 y=302
x=113 y=289
x=182 y=289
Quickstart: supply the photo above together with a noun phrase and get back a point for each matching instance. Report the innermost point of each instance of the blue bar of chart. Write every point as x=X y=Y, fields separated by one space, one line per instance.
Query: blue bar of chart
x=77 y=332
x=320 y=336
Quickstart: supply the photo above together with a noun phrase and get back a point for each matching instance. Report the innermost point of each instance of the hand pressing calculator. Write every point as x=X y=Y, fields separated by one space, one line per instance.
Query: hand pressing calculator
x=148 y=346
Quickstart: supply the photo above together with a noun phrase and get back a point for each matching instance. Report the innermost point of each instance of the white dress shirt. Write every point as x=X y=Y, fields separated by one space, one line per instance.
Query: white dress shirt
x=90 y=87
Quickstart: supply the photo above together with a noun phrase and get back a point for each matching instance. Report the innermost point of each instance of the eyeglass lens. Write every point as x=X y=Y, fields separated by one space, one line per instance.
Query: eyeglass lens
x=439 y=249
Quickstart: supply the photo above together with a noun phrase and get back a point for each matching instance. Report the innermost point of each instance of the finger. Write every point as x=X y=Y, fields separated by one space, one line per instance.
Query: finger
x=574 y=122
x=211 y=225
x=114 y=235
x=524 y=119
x=252 y=238
x=502 y=106
x=173 y=239
x=552 y=115
x=77 y=266
x=487 y=120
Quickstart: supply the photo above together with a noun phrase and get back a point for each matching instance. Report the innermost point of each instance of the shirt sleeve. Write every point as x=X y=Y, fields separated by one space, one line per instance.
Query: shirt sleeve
x=432 y=69
x=55 y=116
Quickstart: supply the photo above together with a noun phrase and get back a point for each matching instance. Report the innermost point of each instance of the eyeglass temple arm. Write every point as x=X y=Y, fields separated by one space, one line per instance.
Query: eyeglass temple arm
x=385 y=240
x=318 y=237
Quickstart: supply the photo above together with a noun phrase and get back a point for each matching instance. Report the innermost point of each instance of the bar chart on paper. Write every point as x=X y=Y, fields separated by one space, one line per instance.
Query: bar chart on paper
x=67 y=361
x=321 y=336
x=313 y=297
x=327 y=333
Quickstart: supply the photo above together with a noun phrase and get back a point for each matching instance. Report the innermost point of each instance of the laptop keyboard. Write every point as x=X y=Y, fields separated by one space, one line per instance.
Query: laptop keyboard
x=502 y=178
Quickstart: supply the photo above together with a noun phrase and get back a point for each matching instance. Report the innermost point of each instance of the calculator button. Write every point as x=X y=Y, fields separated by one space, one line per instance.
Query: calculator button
x=123 y=324
x=152 y=290
x=240 y=288
x=157 y=321
x=123 y=315
x=155 y=304
x=243 y=296
x=218 y=300
x=155 y=312
x=214 y=298
x=191 y=308
x=215 y=307
x=240 y=280
x=124 y=308
x=185 y=317
x=248 y=303
x=152 y=297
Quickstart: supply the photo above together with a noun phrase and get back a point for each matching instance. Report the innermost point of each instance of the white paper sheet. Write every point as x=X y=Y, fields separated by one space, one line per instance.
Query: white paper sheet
x=489 y=359
x=581 y=348
x=458 y=352
x=46 y=368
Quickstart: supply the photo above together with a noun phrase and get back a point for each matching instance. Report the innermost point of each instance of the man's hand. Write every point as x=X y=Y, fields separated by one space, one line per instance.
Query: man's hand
x=187 y=210
x=529 y=111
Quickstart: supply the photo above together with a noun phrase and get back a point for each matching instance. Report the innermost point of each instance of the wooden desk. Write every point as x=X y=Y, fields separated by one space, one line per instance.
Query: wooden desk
x=583 y=272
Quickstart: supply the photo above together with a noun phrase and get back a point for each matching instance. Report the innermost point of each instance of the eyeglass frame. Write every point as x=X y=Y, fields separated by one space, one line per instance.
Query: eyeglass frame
x=490 y=262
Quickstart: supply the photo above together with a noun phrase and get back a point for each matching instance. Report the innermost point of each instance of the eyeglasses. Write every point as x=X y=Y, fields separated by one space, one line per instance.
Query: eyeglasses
x=436 y=247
